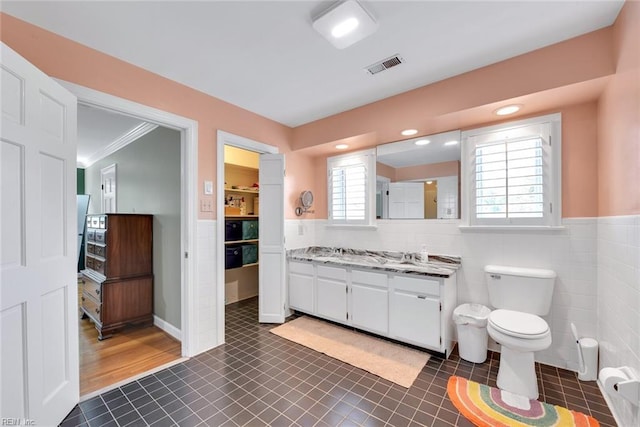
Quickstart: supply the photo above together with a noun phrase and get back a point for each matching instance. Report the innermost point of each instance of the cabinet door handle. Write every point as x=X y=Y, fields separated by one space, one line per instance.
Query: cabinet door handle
x=421 y=296
x=97 y=311
x=82 y=299
x=97 y=291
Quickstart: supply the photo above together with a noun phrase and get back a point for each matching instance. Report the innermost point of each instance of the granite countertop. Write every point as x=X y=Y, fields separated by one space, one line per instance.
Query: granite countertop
x=396 y=262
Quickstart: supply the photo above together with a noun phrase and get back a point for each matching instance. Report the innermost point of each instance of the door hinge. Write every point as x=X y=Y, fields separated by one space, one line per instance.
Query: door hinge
x=550 y=207
x=347 y=315
x=440 y=306
x=186 y=254
x=346 y=289
x=102 y=187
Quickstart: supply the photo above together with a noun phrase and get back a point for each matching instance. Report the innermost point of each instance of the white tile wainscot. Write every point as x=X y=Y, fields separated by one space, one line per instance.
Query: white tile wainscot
x=619 y=303
x=411 y=308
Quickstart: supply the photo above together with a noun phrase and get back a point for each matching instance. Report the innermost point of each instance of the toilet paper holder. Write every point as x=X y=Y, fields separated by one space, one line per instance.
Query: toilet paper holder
x=629 y=388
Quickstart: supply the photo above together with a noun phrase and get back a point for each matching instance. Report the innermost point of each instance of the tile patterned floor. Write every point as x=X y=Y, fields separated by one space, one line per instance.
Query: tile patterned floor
x=260 y=379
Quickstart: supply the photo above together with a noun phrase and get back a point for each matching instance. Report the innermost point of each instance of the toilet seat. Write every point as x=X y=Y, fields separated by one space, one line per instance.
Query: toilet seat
x=518 y=324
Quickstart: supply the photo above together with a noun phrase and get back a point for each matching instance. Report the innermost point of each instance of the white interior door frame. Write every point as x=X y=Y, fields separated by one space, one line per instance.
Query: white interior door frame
x=188 y=129
x=225 y=138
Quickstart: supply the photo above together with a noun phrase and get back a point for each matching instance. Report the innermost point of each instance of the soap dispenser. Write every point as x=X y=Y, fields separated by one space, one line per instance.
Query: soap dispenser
x=424 y=255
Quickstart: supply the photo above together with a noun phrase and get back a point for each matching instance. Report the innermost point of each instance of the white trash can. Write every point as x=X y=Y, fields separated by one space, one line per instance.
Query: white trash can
x=471 y=324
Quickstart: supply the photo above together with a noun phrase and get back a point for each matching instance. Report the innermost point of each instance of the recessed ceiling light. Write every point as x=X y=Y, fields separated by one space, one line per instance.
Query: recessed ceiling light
x=451 y=143
x=508 y=109
x=429 y=182
x=422 y=142
x=345 y=23
x=409 y=132
x=342 y=146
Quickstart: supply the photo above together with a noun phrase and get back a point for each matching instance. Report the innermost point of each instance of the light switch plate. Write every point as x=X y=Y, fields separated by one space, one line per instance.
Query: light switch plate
x=208 y=187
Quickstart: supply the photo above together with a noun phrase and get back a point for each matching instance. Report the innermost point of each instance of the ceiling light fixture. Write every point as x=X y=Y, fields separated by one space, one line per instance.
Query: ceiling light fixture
x=345 y=23
x=507 y=109
x=409 y=132
x=342 y=146
x=422 y=142
x=451 y=143
x=429 y=182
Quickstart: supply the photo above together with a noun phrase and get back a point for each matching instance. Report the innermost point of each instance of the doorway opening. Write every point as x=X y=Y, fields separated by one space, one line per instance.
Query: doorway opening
x=249 y=165
x=241 y=213
x=182 y=230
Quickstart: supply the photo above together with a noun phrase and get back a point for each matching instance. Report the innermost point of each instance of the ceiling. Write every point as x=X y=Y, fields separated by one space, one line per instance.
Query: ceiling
x=264 y=56
x=102 y=132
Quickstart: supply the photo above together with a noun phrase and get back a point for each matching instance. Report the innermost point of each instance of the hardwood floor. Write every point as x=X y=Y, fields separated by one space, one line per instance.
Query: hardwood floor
x=129 y=352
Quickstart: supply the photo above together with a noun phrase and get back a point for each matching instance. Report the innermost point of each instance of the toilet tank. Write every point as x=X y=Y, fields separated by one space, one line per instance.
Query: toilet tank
x=520 y=289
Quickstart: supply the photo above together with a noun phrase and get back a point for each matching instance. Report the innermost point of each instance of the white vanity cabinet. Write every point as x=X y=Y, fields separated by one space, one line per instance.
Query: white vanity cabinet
x=301 y=286
x=370 y=301
x=405 y=307
x=415 y=311
x=331 y=293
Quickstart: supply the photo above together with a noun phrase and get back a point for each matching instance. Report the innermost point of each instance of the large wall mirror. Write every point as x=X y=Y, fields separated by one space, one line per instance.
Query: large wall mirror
x=419 y=178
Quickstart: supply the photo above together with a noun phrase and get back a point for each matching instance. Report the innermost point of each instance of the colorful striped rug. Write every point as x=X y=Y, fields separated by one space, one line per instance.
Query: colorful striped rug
x=484 y=406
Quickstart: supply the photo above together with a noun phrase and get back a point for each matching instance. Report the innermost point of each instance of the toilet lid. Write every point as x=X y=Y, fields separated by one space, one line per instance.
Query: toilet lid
x=517 y=323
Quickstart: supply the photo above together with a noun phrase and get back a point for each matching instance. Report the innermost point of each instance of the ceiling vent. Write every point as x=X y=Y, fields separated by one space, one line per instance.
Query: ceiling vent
x=385 y=64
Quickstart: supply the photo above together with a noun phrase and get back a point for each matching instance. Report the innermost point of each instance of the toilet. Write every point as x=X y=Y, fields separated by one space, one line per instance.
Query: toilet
x=520 y=296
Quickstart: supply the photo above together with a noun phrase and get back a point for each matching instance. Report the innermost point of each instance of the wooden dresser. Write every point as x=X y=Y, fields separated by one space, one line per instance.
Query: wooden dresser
x=117 y=284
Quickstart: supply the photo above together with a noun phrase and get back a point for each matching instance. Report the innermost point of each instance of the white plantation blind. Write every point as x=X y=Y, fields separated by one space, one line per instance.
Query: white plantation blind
x=349 y=188
x=348 y=192
x=513 y=173
x=510 y=179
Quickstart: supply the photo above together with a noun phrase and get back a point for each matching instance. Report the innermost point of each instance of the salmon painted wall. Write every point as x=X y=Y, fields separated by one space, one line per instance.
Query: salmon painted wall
x=67 y=60
x=619 y=121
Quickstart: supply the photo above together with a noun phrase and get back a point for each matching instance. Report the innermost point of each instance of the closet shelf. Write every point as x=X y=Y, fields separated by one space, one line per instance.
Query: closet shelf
x=231 y=242
x=237 y=190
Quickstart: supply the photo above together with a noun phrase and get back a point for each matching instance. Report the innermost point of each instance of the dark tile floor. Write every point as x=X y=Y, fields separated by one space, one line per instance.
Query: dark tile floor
x=260 y=379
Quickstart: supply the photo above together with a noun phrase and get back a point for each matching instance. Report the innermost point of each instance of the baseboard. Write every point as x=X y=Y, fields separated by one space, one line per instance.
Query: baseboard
x=168 y=328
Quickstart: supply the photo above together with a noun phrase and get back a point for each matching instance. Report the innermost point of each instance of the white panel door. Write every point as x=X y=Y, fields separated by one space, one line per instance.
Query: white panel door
x=38 y=285
x=406 y=200
x=272 y=294
x=108 y=180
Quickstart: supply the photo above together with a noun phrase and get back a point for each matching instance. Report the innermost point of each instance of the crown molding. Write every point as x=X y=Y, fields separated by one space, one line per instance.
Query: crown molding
x=119 y=143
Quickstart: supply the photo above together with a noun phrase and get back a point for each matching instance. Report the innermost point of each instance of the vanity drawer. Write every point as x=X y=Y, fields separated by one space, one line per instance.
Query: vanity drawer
x=301 y=268
x=416 y=286
x=369 y=278
x=91 y=288
x=332 y=272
